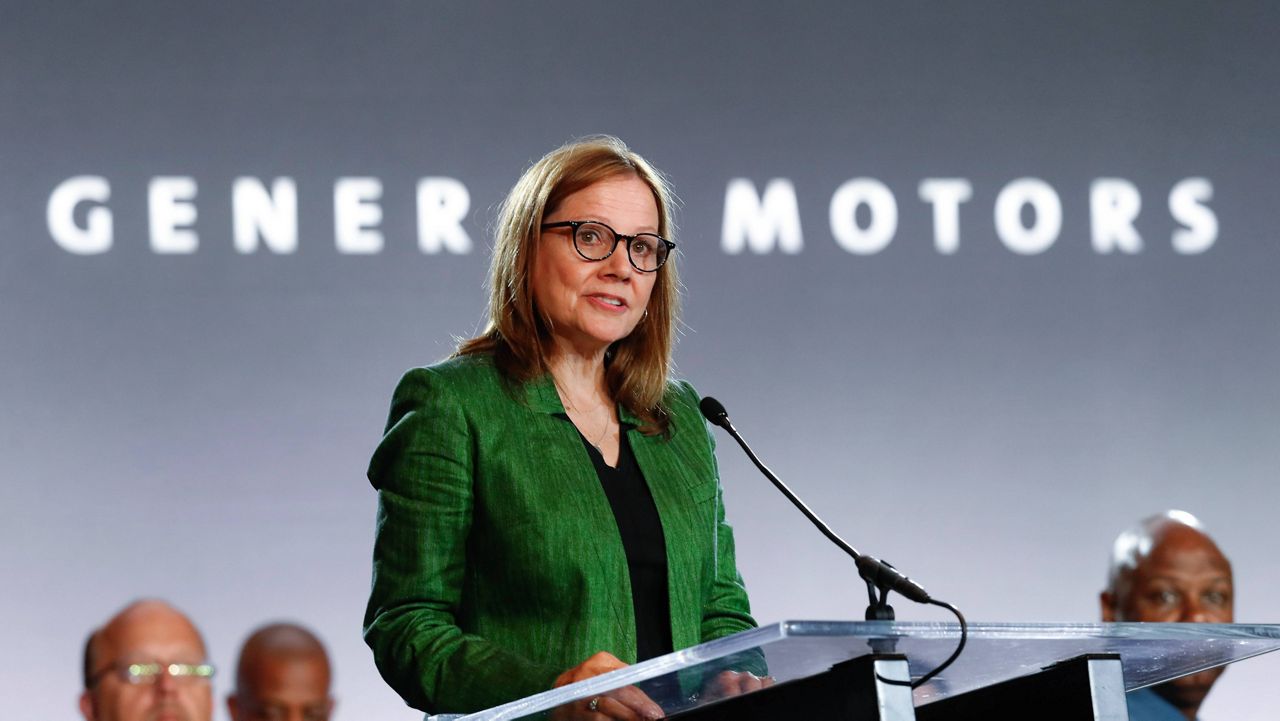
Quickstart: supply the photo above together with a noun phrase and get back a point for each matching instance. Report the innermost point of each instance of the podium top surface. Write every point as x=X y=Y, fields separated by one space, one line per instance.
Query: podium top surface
x=1150 y=653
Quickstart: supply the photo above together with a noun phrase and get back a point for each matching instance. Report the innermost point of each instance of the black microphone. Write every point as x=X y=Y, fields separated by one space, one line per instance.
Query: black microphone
x=874 y=571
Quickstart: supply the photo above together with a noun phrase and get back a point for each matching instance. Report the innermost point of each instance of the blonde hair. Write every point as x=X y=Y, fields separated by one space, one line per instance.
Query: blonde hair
x=517 y=334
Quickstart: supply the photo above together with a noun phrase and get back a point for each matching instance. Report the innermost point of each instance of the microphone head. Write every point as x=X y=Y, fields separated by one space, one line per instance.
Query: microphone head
x=713 y=411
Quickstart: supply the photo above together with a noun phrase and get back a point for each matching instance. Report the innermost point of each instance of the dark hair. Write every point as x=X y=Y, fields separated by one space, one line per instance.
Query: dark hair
x=90 y=658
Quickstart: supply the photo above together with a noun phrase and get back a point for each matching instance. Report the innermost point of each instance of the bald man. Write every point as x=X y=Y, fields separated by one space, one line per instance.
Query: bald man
x=283 y=675
x=1167 y=569
x=148 y=663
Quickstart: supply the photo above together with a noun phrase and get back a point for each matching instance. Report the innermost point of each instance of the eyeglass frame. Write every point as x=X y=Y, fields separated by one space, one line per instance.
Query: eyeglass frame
x=617 y=238
x=190 y=671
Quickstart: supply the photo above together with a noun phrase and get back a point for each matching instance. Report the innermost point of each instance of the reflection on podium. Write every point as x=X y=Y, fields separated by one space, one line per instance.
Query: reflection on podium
x=863 y=670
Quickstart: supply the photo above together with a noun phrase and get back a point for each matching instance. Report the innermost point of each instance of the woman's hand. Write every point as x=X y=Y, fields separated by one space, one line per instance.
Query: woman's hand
x=626 y=704
x=734 y=683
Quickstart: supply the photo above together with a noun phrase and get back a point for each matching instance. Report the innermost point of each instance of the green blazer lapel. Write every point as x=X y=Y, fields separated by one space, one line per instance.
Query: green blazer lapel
x=540 y=395
x=685 y=521
x=590 y=508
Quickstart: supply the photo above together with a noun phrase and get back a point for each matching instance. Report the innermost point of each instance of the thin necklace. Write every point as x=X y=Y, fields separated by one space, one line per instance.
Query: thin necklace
x=574 y=407
x=603 y=432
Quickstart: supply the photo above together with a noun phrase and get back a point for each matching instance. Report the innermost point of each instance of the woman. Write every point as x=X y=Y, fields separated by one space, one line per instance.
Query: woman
x=549 y=507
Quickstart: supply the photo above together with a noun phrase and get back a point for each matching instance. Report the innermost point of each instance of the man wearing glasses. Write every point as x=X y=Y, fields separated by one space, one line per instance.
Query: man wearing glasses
x=148 y=663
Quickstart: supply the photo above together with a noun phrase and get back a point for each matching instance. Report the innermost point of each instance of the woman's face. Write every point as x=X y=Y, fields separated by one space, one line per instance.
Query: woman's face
x=592 y=304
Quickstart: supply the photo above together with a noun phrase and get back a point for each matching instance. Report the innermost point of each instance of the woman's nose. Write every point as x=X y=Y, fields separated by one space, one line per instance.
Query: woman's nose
x=618 y=265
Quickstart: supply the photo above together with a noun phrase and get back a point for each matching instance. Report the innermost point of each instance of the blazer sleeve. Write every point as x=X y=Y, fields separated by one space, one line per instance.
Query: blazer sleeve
x=423 y=472
x=726 y=609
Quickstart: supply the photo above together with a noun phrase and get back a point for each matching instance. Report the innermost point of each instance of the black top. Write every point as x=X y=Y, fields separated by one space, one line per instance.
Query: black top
x=643 y=542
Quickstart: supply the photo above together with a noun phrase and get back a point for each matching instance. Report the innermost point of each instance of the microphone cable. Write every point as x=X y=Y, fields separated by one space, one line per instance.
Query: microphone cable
x=964 y=636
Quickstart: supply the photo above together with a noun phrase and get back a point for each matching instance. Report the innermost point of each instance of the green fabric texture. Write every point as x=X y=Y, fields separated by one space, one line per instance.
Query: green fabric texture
x=497 y=563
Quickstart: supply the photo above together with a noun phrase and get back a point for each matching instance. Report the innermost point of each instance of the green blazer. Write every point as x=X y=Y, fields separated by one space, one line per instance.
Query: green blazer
x=497 y=563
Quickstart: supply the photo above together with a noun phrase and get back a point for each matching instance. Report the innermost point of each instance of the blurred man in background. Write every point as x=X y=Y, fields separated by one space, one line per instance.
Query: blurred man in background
x=1166 y=569
x=148 y=663
x=283 y=675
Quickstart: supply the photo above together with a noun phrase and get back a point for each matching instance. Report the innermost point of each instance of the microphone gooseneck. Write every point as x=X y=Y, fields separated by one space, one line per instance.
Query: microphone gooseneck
x=879 y=575
x=874 y=571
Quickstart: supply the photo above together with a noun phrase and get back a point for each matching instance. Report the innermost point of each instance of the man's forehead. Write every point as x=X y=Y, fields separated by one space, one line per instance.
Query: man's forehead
x=1179 y=547
x=296 y=680
x=158 y=631
x=292 y=664
x=292 y=670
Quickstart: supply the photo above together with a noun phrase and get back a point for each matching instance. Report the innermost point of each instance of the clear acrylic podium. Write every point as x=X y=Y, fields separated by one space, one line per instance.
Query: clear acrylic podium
x=861 y=670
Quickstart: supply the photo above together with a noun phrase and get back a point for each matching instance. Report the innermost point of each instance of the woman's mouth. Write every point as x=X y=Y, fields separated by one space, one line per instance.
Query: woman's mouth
x=609 y=302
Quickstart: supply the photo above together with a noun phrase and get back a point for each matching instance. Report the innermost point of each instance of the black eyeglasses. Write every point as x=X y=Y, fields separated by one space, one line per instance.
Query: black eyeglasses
x=596 y=241
x=145 y=674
